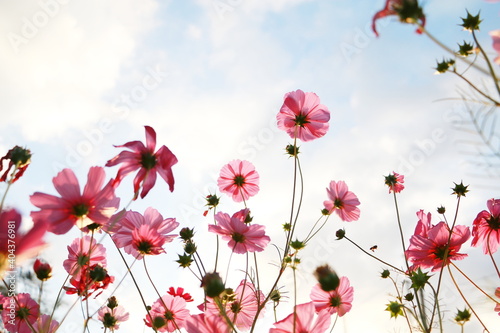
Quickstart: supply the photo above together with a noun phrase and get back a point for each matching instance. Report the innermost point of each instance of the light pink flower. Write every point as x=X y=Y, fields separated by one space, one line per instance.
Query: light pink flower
x=207 y=322
x=144 y=235
x=495 y=35
x=112 y=318
x=239 y=180
x=429 y=242
x=395 y=182
x=46 y=325
x=303 y=321
x=84 y=252
x=241 y=307
x=96 y=205
x=343 y=201
x=24 y=309
x=144 y=158
x=302 y=116
x=336 y=301
x=169 y=313
x=486 y=227
x=408 y=11
x=27 y=244
x=242 y=237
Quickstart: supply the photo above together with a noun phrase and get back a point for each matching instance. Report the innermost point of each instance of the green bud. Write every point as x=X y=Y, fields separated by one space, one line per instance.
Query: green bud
x=471 y=23
x=212 y=284
x=327 y=278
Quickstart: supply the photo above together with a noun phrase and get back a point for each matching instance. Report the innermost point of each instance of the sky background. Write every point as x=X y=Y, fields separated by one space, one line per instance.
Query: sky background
x=78 y=77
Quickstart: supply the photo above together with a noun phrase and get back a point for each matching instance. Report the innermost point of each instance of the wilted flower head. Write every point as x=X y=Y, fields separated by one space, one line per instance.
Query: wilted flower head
x=408 y=11
x=19 y=159
x=43 y=271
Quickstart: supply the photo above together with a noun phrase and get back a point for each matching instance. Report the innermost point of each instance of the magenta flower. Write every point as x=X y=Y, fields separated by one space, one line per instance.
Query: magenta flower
x=336 y=301
x=408 y=11
x=495 y=36
x=429 y=243
x=242 y=237
x=239 y=180
x=303 y=321
x=241 y=307
x=144 y=235
x=96 y=205
x=112 y=318
x=302 y=116
x=27 y=243
x=207 y=322
x=25 y=310
x=45 y=324
x=168 y=313
x=179 y=292
x=395 y=182
x=343 y=201
x=84 y=252
x=144 y=158
x=486 y=227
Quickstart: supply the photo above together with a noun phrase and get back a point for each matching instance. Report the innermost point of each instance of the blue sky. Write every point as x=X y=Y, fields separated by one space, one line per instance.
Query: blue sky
x=210 y=76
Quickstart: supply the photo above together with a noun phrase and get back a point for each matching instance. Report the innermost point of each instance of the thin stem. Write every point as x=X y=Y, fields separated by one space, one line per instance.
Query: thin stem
x=404 y=308
x=473 y=86
x=400 y=229
x=490 y=67
x=475 y=285
x=294 y=300
x=490 y=253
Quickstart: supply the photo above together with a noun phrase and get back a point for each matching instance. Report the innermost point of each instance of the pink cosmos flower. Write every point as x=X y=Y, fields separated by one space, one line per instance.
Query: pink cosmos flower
x=239 y=180
x=336 y=301
x=486 y=227
x=302 y=116
x=207 y=322
x=395 y=182
x=15 y=315
x=408 y=11
x=144 y=158
x=112 y=318
x=44 y=324
x=303 y=321
x=89 y=280
x=429 y=242
x=241 y=307
x=27 y=244
x=96 y=205
x=84 y=252
x=242 y=237
x=144 y=235
x=343 y=201
x=169 y=313
x=495 y=35
x=179 y=292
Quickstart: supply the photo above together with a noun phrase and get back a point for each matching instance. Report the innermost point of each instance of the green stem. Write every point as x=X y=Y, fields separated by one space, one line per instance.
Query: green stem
x=488 y=62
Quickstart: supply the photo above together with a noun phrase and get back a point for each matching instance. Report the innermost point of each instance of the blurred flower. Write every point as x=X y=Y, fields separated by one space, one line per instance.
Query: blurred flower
x=207 y=322
x=336 y=301
x=242 y=237
x=25 y=310
x=327 y=278
x=84 y=252
x=212 y=284
x=43 y=271
x=429 y=247
x=27 y=244
x=304 y=315
x=148 y=162
x=486 y=227
x=495 y=36
x=96 y=205
x=19 y=159
x=239 y=180
x=395 y=182
x=168 y=313
x=45 y=324
x=88 y=280
x=302 y=116
x=146 y=234
x=112 y=317
x=497 y=306
x=343 y=201
x=408 y=11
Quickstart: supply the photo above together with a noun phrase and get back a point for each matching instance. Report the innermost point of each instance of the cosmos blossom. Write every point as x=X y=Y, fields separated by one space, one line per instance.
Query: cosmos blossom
x=146 y=234
x=408 y=11
x=96 y=204
x=84 y=252
x=168 y=313
x=241 y=237
x=336 y=301
x=495 y=36
x=112 y=317
x=486 y=227
x=206 y=322
x=88 y=280
x=343 y=201
x=429 y=247
x=25 y=309
x=239 y=180
x=302 y=116
x=395 y=182
x=147 y=161
x=44 y=324
x=303 y=321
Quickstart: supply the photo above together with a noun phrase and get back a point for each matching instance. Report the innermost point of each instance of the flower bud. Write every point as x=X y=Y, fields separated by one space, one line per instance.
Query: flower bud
x=43 y=271
x=327 y=278
x=212 y=284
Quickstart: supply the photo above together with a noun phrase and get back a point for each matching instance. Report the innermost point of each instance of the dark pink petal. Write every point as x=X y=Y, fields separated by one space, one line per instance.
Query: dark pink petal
x=150 y=138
